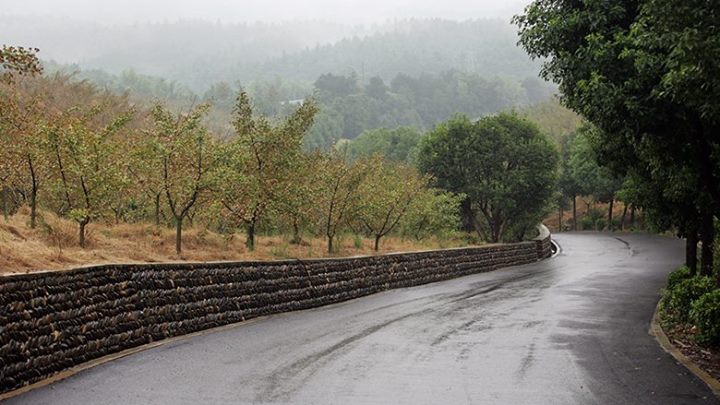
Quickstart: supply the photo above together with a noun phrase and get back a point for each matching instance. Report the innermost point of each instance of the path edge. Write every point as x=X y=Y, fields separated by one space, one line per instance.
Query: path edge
x=657 y=332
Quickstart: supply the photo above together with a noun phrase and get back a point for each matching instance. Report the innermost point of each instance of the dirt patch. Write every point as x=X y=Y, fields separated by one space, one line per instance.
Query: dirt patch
x=707 y=358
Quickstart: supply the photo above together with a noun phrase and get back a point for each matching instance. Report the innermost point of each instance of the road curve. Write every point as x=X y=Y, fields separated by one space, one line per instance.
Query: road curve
x=569 y=330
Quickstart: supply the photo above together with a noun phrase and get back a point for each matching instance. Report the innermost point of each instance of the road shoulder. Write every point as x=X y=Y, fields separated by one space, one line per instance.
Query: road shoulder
x=657 y=331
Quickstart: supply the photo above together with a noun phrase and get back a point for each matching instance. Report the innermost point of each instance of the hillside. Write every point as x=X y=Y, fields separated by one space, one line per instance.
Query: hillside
x=53 y=245
x=198 y=54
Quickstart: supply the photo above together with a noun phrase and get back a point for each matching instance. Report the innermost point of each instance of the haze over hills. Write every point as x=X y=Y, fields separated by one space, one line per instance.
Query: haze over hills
x=201 y=53
x=348 y=12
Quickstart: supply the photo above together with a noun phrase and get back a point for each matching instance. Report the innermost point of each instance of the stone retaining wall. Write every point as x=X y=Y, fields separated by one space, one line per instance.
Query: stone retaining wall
x=55 y=320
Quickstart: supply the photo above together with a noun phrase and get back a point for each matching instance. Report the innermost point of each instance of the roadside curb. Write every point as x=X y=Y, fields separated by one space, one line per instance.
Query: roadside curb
x=664 y=341
x=558 y=248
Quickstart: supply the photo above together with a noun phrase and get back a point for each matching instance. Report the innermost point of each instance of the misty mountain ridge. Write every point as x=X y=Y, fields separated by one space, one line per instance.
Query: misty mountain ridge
x=200 y=53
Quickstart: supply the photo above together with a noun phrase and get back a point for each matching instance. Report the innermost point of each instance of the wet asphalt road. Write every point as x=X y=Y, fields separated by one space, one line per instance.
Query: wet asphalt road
x=569 y=330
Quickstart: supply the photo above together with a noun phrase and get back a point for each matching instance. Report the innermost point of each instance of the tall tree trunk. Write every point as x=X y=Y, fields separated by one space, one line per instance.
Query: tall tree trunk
x=377 y=242
x=560 y=217
x=691 y=251
x=157 y=209
x=33 y=207
x=33 y=194
x=296 y=239
x=468 y=220
x=707 y=235
x=82 y=224
x=610 y=216
x=250 y=240
x=632 y=216
x=330 y=244
x=622 y=219
x=495 y=234
x=574 y=212
x=178 y=235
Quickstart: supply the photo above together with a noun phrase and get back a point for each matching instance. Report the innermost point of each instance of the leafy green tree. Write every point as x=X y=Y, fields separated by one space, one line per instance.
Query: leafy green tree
x=643 y=73
x=296 y=197
x=376 y=88
x=220 y=94
x=581 y=174
x=389 y=192
x=19 y=111
x=497 y=162
x=338 y=194
x=434 y=212
x=553 y=119
x=397 y=145
x=146 y=172
x=326 y=131
x=185 y=152
x=89 y=173
x=331 y=85
x=259 y=162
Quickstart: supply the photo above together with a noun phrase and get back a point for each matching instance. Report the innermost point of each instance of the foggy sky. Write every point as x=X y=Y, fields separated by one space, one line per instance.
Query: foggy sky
x=345 y=11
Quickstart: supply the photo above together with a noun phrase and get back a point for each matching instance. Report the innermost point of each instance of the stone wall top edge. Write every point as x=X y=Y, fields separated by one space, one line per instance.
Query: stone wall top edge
x=14 y=277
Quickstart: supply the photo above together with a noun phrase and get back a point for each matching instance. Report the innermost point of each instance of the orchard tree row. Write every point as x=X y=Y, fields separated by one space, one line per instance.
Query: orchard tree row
x=92 y=156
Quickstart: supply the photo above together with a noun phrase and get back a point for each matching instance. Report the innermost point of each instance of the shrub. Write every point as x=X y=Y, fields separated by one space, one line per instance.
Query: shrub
x=587 y=224
x=705 y=314
x=677 y=301
x=678 y=275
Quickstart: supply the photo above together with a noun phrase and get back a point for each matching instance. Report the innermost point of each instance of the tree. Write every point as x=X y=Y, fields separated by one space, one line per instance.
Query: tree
x=581 y=174
x=259 y=162
x=19 y=110
x=339 y=198
x=146 y=170
x=184 y=151
x=497 y=162
x=17 y=61
x=434 y=212
x=89 y=173
x=296 y=198
x=376 y=88
x=331 y=85
x=397 y=145
x=388 y=191
x=644 y=74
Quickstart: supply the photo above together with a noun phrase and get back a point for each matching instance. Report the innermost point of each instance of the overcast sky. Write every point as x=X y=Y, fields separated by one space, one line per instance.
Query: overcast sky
x=346 y=11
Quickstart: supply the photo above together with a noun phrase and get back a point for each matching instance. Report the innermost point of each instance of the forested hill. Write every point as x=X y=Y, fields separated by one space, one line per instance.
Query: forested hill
x=198 y=54
x=484 y=47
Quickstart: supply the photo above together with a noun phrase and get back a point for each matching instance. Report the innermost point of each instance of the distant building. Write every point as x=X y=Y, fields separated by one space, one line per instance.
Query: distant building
x=299 y=101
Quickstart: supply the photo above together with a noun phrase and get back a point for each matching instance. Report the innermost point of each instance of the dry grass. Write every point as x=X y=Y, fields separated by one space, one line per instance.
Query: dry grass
x=53 y=245
x=551 y=221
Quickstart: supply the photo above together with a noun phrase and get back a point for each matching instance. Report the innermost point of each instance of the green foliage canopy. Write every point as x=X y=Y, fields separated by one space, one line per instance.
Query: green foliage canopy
x=503 y=164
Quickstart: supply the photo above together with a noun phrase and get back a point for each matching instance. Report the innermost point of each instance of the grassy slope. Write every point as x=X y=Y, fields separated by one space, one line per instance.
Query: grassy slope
x=53 y=245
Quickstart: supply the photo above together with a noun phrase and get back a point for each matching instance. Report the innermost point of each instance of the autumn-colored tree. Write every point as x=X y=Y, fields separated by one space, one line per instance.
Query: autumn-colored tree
x=18 y=61
x=88 y=173
x=184 y=150
x=259 y=161
x=19 y=110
